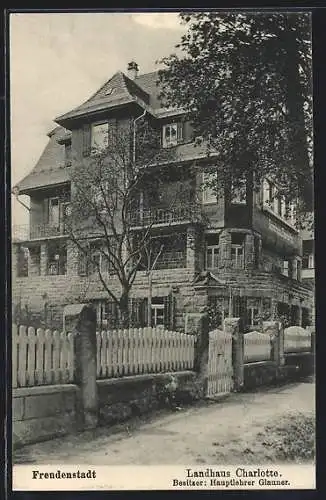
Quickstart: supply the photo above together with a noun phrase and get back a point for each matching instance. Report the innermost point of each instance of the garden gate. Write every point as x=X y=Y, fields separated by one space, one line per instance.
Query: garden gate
x=220 y=369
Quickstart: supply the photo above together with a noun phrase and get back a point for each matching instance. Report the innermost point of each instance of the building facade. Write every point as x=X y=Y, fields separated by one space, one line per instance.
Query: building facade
x=237 y=254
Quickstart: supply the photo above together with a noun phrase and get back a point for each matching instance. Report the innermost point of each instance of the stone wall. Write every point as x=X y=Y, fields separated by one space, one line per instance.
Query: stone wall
x=43 y=412
x=46 y=412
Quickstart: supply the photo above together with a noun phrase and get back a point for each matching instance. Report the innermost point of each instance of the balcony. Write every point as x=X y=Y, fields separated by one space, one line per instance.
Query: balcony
x=37 y=231
x=166 y=217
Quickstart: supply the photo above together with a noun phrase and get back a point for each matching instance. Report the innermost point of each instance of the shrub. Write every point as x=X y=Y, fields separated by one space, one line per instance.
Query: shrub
x=292 y=438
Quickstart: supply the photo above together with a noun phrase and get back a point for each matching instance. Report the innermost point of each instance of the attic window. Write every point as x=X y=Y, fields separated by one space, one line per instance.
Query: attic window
x=109 y=91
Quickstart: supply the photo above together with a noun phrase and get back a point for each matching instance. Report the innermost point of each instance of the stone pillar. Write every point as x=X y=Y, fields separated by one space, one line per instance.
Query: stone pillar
x=249 y=251
x=300 y=314
x=225 y=250
x=44 y=259
x=201 y=352
x=276 y=332
x=85 y=363
x=191 y=247
x=232 y=326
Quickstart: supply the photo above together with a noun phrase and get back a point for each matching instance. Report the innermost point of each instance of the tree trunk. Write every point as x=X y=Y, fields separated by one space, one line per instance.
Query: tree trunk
x=149 y=301
x=124 y=309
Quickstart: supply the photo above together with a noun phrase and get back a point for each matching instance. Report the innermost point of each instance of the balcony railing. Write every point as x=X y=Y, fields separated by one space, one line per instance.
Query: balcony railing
x=172 y=260
x=37 y=231
x=177 y=215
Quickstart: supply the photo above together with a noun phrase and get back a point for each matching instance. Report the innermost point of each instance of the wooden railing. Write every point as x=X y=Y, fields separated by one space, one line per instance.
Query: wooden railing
x=257 y=347
x=45 y=357
x=146 y=217
x=41 y=357
x=36 y=231
x=296 y=339
x=143 y=350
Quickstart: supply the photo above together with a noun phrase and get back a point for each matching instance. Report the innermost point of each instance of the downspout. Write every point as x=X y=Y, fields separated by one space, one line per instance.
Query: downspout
x=134 y=159
x=15 y=192
x=134 y=141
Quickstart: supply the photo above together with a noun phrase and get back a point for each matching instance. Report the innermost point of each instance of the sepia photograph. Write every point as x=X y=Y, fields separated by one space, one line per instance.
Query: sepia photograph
x=162 y=247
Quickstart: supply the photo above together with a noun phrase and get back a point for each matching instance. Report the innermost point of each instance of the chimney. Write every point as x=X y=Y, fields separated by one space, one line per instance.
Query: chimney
x=132 y=70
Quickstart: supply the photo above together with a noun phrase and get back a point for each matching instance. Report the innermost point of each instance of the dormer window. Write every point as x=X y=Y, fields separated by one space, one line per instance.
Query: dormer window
x=172 y=134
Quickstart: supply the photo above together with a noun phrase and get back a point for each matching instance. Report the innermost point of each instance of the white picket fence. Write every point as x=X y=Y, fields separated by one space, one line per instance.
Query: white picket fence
x=41 y=357
x=257 y=347
x=45 y=357
x=143 y=350
x=296 y=339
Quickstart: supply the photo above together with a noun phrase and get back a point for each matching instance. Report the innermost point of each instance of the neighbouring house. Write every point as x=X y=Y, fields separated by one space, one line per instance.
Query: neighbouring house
x=241 y=254
x=308 y=264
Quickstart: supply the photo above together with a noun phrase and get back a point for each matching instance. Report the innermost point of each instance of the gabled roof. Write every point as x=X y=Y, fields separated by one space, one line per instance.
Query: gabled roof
x=50 y=168
x=117 y=91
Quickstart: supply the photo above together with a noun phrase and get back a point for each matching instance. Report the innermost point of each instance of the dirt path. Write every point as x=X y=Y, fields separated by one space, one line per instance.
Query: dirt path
x=223 y=432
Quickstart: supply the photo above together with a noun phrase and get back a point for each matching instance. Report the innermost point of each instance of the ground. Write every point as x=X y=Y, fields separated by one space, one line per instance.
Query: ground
x=224 y=432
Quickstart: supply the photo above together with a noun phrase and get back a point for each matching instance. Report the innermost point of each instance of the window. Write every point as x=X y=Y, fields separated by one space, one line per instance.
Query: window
x=107 y=314
x=208 y=193
x=237 y=250
x=285 y=270
x=311 y=261
x=99 y=136
x=278 y=204
x=254 y=307
x=238 y=194
x=253 y=316
x=212 y=256
x=94 y=259
x=295 y=269
x=172 y=134
x=22 y=262
x=158 y=316
x=54 y=212
x=268 y=192
x=57 y=259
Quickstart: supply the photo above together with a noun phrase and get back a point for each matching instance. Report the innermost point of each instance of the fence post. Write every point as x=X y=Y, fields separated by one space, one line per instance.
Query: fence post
x=276 y=332
x=86 y=364
x=232 y=326
x=201 y=351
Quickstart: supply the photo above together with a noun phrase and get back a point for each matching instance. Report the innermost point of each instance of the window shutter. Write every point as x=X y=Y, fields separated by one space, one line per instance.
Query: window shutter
x=143 y=312
x=86 y=140
x=112 y=131
x=46 y=210
x=180 y=132
x=169 y=312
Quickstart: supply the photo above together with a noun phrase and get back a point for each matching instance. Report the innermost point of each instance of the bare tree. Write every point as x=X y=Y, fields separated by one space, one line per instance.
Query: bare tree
x=107 y=221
